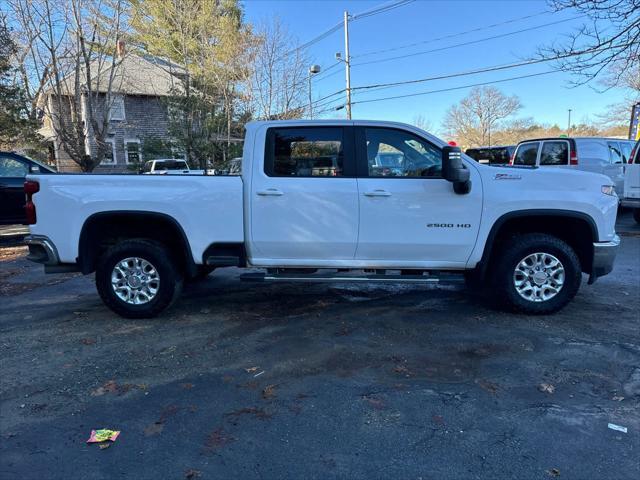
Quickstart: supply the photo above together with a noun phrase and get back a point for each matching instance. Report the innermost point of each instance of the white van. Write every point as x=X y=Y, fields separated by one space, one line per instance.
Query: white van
x=607 y=156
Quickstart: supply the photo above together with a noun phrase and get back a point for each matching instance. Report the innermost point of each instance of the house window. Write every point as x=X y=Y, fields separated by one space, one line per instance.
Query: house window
x=132 y=151
x=110 y=153
x=116 y=112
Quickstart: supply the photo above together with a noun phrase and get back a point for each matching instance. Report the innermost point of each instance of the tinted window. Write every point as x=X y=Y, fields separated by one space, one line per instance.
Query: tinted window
x=10 y=167
x=526 y=154
x=615 y=155
x=626 y=148
x=305 y=152
x=396 y=153
x=554 y=153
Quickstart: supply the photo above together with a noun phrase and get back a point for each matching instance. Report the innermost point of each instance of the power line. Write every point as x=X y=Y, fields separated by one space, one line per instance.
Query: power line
x=471 y=42
x=453 y=35
x=338 y=26
x=456 y=88
x=381 y=9
x=487 y=69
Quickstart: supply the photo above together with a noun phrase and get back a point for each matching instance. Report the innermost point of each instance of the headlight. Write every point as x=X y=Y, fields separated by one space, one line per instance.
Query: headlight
x=608 y=190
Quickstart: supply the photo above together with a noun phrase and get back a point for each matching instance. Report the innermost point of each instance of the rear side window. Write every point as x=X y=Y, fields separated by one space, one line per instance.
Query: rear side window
x=526 y=154
x=554 y=153
x=10 y=167
x=305 y=152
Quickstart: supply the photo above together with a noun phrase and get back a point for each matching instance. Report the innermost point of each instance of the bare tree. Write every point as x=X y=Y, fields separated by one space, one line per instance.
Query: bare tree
x=472 y=121
x=278 y=86
x=69 y=50
x=424 y=123
x=608 y=44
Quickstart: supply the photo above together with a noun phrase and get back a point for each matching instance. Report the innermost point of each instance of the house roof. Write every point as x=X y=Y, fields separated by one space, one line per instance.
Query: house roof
x=134 y=75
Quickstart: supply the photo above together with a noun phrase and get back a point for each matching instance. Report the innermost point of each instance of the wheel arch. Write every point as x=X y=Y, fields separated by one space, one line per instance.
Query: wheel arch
x=577 y=229
x=103 y=229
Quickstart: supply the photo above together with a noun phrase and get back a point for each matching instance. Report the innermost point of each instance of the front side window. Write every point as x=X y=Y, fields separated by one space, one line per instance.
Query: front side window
x=397 y=153
x=615 y=155
x=10 y=167
x=526 y=154
x=554 y=153
x=626 y=148
x=305 y=152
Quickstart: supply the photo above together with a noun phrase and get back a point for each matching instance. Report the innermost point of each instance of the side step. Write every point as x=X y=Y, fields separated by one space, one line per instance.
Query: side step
x=346 y=278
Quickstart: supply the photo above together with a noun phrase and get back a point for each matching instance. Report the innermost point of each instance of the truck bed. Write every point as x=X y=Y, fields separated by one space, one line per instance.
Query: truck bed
x=208 y=208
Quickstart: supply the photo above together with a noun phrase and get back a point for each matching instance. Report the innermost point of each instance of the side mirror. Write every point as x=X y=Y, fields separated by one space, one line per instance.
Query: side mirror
x=453 y=169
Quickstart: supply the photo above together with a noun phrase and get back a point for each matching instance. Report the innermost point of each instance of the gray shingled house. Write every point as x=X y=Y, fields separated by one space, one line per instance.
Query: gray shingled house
x=137 y=112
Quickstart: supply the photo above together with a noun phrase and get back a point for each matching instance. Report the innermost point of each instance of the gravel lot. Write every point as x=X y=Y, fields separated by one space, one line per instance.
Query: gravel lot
x=317 y=381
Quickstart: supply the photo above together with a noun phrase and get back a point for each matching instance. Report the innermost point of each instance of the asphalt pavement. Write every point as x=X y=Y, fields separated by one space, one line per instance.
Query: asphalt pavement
x=318 y=381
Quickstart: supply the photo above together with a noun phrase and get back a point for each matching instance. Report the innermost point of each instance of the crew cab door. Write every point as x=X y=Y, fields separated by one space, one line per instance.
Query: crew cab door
x=410 y=215
x=12 y=173
x=304 y=198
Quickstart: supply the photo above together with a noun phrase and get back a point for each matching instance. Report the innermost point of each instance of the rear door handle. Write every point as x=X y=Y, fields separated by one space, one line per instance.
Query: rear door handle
x=377 y=193
x=270 y=192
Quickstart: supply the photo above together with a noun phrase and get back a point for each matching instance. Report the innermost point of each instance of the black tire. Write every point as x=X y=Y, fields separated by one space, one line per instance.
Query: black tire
x=636 y=215
x=170 y=285
x=517 y=250
x=202 y=273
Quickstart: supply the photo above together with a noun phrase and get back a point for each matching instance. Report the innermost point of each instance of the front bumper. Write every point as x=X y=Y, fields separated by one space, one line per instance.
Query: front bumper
x=604 y=254
x=630 y=202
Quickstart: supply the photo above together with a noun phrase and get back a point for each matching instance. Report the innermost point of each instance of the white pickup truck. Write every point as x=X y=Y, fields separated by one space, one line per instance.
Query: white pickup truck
x=312 y=205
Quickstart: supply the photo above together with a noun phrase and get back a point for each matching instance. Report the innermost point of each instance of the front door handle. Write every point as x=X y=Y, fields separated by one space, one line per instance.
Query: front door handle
x=377 y=193
x=270 y=192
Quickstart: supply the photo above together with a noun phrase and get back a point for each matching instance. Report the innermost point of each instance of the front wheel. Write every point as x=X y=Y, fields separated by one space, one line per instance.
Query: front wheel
x=538 y=273
x=138 y=278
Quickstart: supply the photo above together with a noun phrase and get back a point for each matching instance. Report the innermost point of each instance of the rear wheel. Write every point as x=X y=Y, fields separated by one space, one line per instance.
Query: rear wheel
x=138 y=278
x=538 y=274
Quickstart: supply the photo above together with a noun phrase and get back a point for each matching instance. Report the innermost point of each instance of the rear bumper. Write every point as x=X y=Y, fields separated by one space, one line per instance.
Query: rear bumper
x=41 y=250
x=604 y=255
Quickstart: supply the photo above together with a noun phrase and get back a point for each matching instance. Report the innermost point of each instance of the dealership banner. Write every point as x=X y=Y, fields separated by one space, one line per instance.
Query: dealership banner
x=634 y=128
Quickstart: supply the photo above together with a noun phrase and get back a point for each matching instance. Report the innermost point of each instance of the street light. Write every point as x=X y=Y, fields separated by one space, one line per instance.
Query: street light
x=313 y=69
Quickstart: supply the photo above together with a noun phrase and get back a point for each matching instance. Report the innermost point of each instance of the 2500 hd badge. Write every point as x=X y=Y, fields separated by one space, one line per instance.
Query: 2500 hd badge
x=448 y=225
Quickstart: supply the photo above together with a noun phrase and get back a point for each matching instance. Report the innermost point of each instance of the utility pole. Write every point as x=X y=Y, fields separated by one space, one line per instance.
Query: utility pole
x=569 y=123
x=347 y=62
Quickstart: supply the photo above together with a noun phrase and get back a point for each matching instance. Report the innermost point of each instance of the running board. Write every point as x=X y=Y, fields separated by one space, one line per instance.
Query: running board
x=327 y=278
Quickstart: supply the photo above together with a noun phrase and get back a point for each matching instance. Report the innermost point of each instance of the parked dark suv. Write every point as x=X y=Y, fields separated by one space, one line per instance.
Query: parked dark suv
x=13 y=169
x=492 y=155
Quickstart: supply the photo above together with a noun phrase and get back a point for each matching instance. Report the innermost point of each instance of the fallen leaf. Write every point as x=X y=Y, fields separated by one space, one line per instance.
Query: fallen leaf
x=218 y=438
x=191 y=473
x=490 y=387
x=554 y=472
x=88 y=341
x=251 y=369
x=617 y=398
x=376 y=403
x=187 y=386
x=269 y=391
x=154 y=429
x=104 y=445
x=546 y=388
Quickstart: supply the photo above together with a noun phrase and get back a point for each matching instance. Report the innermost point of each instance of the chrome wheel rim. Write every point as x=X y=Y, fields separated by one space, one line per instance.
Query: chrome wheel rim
x=539 y=277
x=135 y=281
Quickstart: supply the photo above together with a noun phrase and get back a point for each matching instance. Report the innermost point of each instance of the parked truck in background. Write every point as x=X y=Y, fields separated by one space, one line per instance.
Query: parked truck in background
x=312 y=204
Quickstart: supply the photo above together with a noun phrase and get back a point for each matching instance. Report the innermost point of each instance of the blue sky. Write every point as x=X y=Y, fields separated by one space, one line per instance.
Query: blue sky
x=546 y=97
